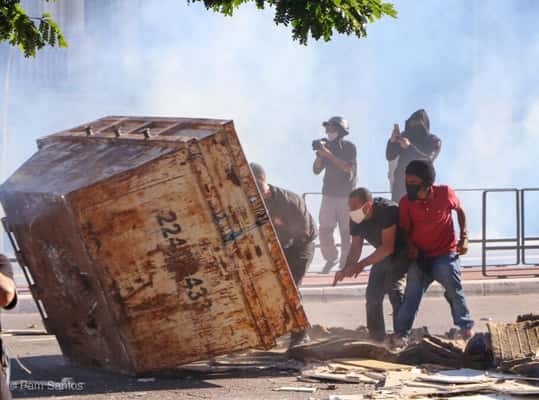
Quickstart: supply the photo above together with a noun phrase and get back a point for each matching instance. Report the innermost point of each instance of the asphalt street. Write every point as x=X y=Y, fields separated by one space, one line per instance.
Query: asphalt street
x=53 y=377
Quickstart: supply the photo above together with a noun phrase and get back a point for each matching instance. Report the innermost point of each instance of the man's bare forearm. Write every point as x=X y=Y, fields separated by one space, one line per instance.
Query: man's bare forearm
x=376 y=256
x=352 y=258
x=355 y=252
x=463 y=223
x=318 y=165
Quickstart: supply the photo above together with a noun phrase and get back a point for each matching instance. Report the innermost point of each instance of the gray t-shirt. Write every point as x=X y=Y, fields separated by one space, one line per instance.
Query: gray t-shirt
x=337 y=182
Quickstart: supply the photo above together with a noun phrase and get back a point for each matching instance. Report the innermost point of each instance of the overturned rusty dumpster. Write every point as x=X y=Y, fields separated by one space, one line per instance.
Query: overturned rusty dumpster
x=146 y=244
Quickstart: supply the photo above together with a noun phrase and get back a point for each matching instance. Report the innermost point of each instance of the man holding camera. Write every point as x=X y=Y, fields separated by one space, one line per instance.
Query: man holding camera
x=338 y=158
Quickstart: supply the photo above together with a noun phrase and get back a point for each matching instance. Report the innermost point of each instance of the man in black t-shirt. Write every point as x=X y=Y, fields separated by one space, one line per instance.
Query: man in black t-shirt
x=295 y=228
x=377 y=221
x=338 y=158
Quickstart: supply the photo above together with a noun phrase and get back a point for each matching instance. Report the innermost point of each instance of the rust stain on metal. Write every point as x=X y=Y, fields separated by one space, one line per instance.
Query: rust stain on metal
x=258 y=251
x=181 y=261
x=232 y=177
x=157 y=245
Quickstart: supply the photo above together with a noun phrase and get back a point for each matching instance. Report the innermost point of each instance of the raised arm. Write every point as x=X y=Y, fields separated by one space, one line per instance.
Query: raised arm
x=347 y=165
x=393 y=150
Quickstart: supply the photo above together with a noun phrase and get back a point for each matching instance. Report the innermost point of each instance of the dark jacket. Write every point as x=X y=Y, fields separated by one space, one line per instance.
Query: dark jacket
x=299 y=226
x=424 y=146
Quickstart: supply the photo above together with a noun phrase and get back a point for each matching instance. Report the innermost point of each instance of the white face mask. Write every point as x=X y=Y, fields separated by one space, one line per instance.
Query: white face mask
x=358 y=216
x=332 y=136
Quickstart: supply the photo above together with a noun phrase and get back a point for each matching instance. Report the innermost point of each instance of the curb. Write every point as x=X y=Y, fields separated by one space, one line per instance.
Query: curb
x=471 y=288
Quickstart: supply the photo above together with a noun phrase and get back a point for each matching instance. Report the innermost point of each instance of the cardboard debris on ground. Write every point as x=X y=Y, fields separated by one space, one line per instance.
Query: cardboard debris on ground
x=247 y=361
x=342 y=348
x=375 y=365
x=494 y=396
x=346 y=397
x=337 y=373
x=450 y=368
x=318 y=332
x=435 y=350
x=411 y=384
x=461 y=376
x=295 y=389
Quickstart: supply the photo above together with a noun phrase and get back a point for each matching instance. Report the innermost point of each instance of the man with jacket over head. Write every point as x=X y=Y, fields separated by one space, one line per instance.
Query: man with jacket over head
x=415 y=143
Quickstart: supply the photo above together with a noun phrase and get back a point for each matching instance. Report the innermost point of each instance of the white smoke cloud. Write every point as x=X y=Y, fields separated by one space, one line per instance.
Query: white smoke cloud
x=472 y=65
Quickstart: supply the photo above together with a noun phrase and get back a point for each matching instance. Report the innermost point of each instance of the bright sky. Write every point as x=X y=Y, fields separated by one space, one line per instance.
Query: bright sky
x=471 y=64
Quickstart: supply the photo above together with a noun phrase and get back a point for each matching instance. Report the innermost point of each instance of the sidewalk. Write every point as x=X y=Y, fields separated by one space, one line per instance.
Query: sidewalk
x=317 y=287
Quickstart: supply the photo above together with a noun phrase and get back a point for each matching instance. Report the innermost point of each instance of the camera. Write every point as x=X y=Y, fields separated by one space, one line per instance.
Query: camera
x=317 y=144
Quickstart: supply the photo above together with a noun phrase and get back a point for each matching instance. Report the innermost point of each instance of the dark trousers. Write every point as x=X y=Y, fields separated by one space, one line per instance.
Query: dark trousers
x=385 y=277
x=299 y=257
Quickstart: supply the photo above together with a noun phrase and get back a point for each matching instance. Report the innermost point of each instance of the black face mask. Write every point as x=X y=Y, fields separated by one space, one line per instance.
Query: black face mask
x=416 y=133
x=412 y=191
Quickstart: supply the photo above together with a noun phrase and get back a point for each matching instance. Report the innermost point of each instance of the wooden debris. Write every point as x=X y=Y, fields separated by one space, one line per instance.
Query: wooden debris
x=338 y=373
x=517 y=389
x=515 y=346
x=376 y=365
x=530 y=369
x=528 y=317
x=295 y=389
x=327 y=376
x=514 y=341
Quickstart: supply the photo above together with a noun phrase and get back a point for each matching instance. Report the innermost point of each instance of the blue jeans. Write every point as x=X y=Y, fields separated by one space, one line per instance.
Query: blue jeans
x=446 y=271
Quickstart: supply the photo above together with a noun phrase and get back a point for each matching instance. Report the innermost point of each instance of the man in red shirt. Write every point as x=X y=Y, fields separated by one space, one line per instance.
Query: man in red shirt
x=425 y=215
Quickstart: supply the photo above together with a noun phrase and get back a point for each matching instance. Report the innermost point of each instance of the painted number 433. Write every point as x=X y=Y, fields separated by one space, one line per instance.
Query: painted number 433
x=170 y=229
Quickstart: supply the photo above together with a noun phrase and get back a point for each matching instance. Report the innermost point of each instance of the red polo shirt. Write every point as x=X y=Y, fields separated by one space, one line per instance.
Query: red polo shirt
x=429 y=222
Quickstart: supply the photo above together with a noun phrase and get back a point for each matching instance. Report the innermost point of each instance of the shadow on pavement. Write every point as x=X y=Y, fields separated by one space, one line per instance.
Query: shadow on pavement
x=53 y=375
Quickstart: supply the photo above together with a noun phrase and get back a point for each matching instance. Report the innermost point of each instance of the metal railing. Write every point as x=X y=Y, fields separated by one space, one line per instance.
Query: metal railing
x=520 y=243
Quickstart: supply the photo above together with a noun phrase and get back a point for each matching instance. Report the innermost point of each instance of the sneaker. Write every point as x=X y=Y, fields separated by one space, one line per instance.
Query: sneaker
x=466 y=333
x=398 y=341
x=329 y=266
x=299 y=339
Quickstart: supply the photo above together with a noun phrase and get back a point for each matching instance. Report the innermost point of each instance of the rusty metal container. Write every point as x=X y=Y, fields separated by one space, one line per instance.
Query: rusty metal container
x=147 y=245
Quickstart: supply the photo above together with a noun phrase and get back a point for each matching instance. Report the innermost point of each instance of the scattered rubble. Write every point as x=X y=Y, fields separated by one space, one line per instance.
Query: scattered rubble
x=429 y=367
